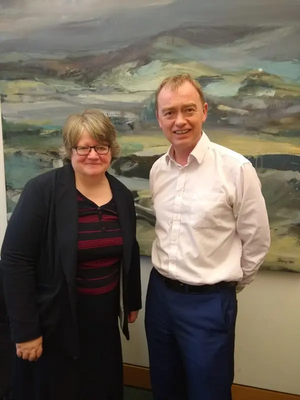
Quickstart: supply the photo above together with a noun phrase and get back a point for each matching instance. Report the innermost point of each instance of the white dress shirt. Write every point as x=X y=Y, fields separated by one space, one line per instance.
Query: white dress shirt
x=211 y=218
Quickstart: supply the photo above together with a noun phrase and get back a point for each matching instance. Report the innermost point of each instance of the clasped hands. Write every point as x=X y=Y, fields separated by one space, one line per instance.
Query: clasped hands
x=31 y=350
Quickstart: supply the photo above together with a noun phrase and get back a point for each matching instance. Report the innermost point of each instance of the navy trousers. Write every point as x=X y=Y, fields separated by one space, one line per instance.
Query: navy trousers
x=190 y=341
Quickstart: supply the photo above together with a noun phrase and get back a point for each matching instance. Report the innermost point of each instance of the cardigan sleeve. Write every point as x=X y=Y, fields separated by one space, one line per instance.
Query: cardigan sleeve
x=19 y=256
x=134 y=275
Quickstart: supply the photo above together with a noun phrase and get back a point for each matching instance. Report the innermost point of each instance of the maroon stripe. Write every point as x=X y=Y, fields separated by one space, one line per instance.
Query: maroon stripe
x=107 y=218
x=107 y=230
x=88 y=219
x=101 y=290
x=96 y=279
x=93 y=244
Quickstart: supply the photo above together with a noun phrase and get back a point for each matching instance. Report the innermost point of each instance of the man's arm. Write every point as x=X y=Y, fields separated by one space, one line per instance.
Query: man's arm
x=252 y=223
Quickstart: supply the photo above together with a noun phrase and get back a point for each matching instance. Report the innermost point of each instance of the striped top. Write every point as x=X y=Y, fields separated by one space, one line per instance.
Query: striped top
x=100 y=247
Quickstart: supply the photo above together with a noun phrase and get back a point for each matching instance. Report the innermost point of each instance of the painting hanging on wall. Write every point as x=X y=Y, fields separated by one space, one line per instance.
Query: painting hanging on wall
x=64 y=56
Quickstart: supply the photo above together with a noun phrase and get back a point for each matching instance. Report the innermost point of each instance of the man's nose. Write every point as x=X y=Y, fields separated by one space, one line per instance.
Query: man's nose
x=180 y=120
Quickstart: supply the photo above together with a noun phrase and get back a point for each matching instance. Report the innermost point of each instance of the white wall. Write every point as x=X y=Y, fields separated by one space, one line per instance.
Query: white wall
x=268 y=332
x=268 y=326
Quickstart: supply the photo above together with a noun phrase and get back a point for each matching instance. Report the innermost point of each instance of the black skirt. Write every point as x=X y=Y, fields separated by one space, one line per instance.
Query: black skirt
x=96 y=375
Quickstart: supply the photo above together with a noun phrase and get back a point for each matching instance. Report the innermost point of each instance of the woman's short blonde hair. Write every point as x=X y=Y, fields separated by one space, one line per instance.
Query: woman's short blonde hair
x=97 y=124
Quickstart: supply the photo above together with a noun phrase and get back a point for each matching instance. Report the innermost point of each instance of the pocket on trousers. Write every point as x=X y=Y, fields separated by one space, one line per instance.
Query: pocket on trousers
x=228 y=308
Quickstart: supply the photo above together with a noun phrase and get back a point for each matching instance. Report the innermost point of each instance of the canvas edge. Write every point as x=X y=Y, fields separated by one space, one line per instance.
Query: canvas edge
x=3 y=208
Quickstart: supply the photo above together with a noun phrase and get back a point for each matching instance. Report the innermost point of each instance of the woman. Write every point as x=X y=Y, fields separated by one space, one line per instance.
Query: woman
x=71 y=265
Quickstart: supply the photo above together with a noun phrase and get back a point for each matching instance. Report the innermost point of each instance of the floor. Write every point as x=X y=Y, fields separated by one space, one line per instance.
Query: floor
x=130 y=394
x=137 y=394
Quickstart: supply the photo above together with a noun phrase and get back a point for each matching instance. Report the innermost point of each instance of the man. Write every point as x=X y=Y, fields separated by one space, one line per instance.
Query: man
x=212 y=234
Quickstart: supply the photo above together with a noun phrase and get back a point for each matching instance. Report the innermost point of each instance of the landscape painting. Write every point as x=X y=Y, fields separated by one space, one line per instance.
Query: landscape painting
x=62 y=56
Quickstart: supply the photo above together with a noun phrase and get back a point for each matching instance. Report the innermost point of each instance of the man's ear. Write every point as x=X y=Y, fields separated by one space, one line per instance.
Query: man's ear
x=205 y=111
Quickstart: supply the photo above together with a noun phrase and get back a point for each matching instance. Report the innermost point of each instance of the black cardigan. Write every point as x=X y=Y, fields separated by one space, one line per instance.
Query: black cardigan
x=39 y=258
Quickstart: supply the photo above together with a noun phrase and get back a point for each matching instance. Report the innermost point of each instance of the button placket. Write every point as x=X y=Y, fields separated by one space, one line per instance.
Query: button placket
x=175 y=223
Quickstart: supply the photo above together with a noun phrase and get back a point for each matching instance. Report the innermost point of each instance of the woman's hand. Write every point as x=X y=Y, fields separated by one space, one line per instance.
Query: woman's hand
x=132 y=316
x=31 y=350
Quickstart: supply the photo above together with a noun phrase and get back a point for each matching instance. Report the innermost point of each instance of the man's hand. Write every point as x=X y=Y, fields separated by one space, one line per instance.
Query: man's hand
x=31 y=350
x=132 y=316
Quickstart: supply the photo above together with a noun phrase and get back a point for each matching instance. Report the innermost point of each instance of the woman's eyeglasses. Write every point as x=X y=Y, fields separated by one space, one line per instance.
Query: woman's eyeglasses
x=102 y=150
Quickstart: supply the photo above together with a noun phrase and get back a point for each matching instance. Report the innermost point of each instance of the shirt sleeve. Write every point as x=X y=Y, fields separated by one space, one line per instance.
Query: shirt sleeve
x=252 y=223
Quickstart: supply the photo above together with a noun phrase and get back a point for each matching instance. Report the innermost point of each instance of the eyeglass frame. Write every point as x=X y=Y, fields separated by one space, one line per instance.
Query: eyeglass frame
x=90 y=149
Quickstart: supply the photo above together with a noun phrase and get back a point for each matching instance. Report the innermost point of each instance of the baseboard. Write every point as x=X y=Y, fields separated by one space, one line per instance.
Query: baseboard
x=136 y=376
x=139 y=377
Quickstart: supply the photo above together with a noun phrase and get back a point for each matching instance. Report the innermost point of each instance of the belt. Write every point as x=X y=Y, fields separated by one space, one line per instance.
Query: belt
x=183 y=287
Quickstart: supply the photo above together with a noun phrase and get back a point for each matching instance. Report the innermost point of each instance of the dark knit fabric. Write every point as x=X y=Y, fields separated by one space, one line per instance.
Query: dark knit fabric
x=100 y=247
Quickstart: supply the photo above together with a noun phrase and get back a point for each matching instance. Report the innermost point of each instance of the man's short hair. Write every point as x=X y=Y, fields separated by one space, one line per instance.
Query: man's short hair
x=175 y=81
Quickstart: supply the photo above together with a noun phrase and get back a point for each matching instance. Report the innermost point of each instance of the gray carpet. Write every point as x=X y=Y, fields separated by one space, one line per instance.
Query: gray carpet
x=137 y=394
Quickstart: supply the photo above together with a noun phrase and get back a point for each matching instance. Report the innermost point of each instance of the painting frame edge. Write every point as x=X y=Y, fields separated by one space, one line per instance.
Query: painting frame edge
x=3 y=206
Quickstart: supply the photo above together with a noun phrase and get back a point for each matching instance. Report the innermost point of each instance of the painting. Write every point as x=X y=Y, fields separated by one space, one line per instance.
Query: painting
x=62 y=56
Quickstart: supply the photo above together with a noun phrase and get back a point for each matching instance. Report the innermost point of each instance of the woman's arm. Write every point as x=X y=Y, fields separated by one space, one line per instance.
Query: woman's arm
x=19 y=255
x=134 y=275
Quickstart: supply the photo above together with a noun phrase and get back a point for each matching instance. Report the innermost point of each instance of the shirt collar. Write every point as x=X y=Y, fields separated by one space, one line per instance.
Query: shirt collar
x=197 y=153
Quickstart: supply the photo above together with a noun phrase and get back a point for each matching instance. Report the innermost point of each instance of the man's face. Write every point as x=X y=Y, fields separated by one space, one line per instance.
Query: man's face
x=180 y=114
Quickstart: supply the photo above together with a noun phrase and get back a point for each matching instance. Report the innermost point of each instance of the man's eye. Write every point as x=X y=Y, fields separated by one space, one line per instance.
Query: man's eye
x=82 y=148
x=101 y=148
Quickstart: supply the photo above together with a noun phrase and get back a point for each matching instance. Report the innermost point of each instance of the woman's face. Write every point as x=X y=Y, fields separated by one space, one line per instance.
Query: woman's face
x=92 y=164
